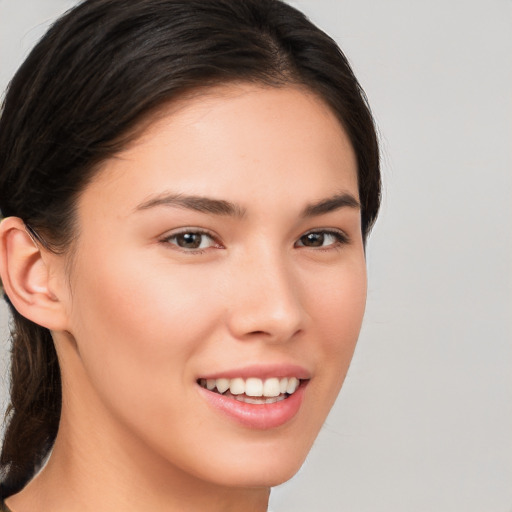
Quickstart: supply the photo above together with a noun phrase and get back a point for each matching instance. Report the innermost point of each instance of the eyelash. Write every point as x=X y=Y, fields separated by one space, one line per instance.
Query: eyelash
x=192 y=231
x=340 y=239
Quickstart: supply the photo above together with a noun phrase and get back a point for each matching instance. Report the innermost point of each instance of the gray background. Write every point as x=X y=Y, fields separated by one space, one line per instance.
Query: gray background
x=424 y=422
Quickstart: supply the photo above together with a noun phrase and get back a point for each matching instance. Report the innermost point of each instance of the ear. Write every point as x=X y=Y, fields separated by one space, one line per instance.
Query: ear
x=26 y=270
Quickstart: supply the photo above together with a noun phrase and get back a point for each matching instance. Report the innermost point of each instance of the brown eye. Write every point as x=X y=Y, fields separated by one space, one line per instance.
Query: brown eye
x=313 y=239
x=322 y=239
x=191 y=240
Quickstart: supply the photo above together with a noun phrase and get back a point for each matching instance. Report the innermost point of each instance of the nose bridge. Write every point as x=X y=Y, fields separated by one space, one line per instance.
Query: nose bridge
x=266 y=297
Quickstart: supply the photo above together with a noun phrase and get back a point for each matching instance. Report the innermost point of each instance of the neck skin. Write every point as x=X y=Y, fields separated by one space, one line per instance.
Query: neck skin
x=89 y=472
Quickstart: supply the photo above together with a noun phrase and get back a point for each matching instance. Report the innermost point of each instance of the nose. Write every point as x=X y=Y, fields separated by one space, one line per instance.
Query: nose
x=265 y=299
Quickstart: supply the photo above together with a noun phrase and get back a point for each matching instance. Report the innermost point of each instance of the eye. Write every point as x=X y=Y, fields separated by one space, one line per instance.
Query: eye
x=322 y=239
x=192 y=240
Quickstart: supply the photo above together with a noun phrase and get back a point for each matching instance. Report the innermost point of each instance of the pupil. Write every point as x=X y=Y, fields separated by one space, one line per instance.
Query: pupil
x=189 y=240
x=313 y=239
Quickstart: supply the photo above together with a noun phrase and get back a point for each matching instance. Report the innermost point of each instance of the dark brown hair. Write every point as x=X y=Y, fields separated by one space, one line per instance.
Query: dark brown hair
x=100 y=71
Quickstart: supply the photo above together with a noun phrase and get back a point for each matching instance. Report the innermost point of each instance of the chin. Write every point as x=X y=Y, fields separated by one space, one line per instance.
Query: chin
x=269 y=474
x=261 y=464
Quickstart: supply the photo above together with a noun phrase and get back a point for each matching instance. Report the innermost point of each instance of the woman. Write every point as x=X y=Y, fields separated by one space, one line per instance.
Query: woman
x=187 y=188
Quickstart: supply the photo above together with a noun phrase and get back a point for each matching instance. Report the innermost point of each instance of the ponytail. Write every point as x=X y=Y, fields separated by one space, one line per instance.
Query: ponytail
x=32 y=416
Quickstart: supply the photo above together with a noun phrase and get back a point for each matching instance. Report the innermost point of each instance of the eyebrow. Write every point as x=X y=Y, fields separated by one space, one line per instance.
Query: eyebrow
x=333 y=203
x=197 y=203
x=222 y=207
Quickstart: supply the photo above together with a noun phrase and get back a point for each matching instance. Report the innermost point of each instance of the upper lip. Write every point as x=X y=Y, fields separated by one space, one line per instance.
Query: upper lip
x=264 y=371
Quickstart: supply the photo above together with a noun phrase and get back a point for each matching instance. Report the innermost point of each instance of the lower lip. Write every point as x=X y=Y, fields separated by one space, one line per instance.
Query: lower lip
x=257 y=416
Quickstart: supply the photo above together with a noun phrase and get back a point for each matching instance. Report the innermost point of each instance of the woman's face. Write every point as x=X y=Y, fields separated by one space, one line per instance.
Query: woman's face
x=223 y=248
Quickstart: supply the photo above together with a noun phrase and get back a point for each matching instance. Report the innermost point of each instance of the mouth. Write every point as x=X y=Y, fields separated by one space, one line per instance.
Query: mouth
x=253 y=390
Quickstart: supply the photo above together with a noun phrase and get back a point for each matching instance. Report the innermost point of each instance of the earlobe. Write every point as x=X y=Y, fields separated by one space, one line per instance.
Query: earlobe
x=25 y=272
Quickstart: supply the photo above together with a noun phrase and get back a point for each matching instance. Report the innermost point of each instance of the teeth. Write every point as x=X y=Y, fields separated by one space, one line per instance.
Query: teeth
x=249 y=400
x=222 y=385
x=293 y=384
x=272 y=389
x=253 y=387
x=237 y=386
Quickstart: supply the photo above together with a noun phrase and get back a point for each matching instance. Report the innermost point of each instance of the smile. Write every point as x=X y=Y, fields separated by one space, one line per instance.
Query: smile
x=253 y=390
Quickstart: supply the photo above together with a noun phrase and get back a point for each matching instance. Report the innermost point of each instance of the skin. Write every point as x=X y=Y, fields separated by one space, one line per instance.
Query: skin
x=139 y=318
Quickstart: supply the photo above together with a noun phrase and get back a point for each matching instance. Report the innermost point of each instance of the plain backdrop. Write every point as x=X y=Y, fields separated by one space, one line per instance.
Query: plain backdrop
x=424 y=421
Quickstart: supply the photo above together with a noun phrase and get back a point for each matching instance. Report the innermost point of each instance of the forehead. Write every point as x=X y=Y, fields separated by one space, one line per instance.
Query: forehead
x=235 y=142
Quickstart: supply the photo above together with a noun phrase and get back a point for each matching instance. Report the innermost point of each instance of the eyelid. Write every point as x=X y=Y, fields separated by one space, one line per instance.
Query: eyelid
x=165 y=239
x=340 y=235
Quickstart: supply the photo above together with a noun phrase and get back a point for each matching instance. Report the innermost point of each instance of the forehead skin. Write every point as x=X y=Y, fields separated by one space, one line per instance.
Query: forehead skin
x=201 y=114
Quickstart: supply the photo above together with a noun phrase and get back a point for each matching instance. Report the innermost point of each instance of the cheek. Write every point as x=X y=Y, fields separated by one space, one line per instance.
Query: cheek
x=339 y=310
x=340 y=303
x=149 y=302
x=137 y=325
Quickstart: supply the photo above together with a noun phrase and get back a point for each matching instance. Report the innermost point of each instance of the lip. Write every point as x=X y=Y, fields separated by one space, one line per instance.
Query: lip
x=256 y=416
x=262 y=372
